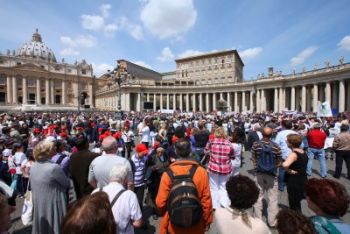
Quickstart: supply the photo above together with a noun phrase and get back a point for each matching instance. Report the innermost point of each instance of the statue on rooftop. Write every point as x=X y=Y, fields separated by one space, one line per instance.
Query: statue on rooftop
x=341 y=60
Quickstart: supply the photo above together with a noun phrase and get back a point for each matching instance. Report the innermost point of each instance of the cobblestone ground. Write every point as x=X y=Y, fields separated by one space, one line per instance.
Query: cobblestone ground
x=153 y=225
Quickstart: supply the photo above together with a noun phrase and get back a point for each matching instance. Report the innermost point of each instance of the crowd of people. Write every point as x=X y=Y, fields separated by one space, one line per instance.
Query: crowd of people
x=94 y=172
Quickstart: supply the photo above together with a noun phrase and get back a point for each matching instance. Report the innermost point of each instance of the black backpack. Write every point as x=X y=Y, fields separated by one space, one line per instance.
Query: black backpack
x=184 y=207
x=266 y=161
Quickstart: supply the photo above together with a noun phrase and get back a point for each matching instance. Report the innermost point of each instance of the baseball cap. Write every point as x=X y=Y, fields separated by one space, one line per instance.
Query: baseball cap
x=141 y=148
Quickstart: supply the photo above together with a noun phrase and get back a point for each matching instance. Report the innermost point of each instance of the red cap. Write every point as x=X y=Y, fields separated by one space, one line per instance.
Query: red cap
x=80 y=128
x=63 y=134
x=36 y=130
x=156 y=145
x=117 y=135
x=141 y=148
x=127 y=123
x=174 y=139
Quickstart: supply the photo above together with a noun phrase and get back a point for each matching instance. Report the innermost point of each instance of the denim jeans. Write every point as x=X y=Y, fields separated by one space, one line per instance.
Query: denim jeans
x=281 y=182
x=320 y=154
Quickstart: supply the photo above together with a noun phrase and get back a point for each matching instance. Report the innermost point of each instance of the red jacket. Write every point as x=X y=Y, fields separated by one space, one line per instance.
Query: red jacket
x=316 y=138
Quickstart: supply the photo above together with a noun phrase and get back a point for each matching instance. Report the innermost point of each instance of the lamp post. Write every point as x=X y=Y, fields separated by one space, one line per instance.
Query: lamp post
x=119 y=75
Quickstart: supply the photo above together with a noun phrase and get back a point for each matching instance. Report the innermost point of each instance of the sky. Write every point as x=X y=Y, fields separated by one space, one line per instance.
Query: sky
x=286 y=35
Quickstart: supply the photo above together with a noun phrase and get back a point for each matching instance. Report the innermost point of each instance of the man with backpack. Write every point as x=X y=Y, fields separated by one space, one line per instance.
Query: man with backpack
x=266 y=157
x=184 y=197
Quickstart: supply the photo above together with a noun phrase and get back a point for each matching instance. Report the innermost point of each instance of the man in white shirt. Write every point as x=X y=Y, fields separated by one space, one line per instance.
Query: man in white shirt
x=125 y=207
x=144 y=132
x=102 y=165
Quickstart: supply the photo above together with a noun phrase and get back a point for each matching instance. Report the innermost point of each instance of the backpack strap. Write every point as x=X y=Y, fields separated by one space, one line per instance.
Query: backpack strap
x=185 y=176
x=117 y=196
x=60 y=159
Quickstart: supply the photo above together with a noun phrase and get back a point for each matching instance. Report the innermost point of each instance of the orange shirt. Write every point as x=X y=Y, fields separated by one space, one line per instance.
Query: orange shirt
x=201 y=180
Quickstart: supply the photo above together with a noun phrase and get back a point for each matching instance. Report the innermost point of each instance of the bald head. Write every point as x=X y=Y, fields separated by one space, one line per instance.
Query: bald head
x=267 y=132
x=109 y=145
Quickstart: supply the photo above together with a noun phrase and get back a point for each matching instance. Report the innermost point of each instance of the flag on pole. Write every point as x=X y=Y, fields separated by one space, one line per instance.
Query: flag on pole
x=324 y=110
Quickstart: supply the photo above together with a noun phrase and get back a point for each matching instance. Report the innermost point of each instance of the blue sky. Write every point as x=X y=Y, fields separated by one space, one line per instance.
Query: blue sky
x=283 y=34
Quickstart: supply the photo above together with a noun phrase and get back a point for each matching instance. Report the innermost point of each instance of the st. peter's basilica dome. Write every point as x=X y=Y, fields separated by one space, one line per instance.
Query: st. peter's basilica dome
x=36 y=49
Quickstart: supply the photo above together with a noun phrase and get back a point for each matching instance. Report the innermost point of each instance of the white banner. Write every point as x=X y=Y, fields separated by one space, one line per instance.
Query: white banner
x=324 y=110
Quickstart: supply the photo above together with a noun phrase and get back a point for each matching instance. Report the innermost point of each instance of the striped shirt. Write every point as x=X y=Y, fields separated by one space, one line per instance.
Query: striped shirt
x=257 y=149
x=139 y=169
x=221 y=153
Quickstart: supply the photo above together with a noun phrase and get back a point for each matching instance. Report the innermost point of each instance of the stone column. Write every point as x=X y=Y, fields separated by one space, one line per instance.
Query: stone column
x=14 y=90
x=174 y=101
x=64 y=93
x=161 y=100
x=315 y=98
x=281 y=99
x=214 y=101
x=181 y=102
x=38 y=92
x=167 y=101
x=236 y=102
x=127 y=101
x=276 y=101
x=147 y=96
x=341 y=96
x=292 y=98
x=229 y=101
x=187 y=102
x=138 y=102
x=9 y=90
x=200 y=102
x=221 y=95
x=258 y=104
x=251 y=101
x=328 y=93
x=263 y=100
x=207 y=101
x=303 y=98
x=348 y=96
x=24 y=90
x=243 y=102
x=91 y=94
x=194 y=96
x=47 y=92
x=52 y=86
x=154 y=102
x=75 y=92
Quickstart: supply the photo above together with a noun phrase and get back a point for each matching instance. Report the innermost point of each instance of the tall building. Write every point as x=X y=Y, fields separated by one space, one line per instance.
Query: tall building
x=204 y=82
x=32 y=79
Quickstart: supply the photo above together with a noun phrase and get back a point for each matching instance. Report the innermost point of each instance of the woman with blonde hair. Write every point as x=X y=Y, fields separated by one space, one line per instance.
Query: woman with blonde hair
x=49 y=187
x=221 y=152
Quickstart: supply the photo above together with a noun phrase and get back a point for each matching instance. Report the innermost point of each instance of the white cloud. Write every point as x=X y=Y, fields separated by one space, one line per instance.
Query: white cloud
x=100 y=69
x=134 y=30
x=345 y=43
x=303 y=55
x=79 y=42
x=69 y=52
x=189 y=53
x=92 y=22
x=167 y=55
x=168 y=18
x=97 y=23
x=142 y=64
x=250 y=53
x=105 y=9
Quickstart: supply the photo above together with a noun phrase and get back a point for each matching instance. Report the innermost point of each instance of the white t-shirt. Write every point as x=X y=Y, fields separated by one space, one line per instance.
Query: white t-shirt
x=145 y=134
x=125 y=210
x=18 y=159
x=236 y=163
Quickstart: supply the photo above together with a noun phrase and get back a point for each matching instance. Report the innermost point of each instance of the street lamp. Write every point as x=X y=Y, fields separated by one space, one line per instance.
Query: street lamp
x=118 y=75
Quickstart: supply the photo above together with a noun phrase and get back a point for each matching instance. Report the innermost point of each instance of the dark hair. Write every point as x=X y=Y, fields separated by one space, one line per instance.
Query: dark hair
x=344 y=128
x=287 y=124
x=330 y=196
x=91 y=214
x=82 y=142
x=242 y=191
x=15 y=147
x=294 y=140
x=183 y=148
x=30 y=155
x=290 y=221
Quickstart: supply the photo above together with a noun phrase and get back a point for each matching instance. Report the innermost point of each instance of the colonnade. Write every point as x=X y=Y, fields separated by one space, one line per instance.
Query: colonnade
x=45 y=91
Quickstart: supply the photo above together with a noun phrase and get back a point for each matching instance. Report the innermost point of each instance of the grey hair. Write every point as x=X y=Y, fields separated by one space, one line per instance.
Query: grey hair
x=118 y=173
x=109 y=144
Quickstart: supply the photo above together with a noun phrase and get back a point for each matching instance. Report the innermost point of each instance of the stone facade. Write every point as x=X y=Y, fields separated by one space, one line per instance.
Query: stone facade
x=32 y=79
x=195 y=87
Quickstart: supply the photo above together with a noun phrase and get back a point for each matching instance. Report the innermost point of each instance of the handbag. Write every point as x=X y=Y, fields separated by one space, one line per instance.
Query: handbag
x=27 y=209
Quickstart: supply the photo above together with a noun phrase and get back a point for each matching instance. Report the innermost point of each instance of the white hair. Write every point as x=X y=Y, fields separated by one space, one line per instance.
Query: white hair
x=118 y=173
